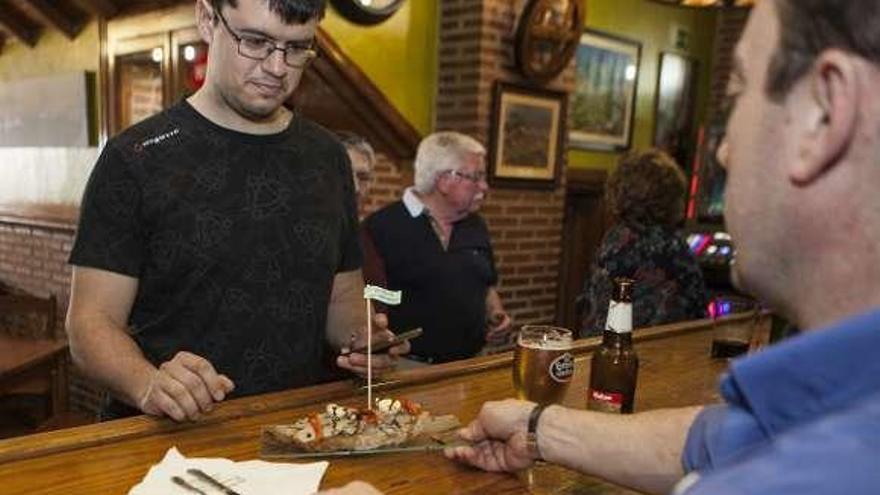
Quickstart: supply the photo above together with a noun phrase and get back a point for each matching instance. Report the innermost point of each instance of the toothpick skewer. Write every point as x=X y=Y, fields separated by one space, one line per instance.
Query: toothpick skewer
x=387 y=297
x=369 y=356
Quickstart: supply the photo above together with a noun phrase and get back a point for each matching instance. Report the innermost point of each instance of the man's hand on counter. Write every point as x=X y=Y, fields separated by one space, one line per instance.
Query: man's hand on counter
x=382 y=362
x=184 y=388
x=497 y=437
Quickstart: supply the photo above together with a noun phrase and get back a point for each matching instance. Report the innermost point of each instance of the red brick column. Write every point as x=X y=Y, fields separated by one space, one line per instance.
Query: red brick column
x=477 y=49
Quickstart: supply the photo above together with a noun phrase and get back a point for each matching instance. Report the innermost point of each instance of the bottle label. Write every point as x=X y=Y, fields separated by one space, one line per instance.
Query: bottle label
x=562 y=368
x=619 y=317
x=604 y=401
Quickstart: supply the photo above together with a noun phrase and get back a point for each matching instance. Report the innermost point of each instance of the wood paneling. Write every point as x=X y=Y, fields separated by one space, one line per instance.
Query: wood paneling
x=98 y=8
x=51 y=14
x=583 y=228
x=24 y=19
x=15 y=23
x=335 y=93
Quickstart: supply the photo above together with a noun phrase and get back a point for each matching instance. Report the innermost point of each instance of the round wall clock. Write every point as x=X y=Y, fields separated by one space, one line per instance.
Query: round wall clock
x=547 y=37
x=367 y=11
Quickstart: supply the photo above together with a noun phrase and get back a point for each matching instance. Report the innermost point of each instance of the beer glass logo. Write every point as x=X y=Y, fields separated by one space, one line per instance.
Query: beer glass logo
x=562 y=368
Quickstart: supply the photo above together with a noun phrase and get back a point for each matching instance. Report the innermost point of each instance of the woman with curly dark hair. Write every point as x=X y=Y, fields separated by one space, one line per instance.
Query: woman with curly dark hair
x=646 y=198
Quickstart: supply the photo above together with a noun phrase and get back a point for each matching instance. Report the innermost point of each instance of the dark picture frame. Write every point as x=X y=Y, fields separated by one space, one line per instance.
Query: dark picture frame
x=604 y=101
x=527 y=137
x=675 y=106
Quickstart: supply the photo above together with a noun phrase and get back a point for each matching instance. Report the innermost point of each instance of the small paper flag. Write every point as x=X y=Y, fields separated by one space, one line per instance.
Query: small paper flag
x=386 y=296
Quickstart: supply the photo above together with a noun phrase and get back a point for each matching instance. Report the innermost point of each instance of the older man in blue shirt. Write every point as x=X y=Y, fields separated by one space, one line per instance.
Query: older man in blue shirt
x=803 y=158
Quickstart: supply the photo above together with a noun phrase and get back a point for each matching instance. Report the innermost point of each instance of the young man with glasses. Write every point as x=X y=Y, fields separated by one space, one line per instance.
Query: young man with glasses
x=434 y=246
x=217 y=251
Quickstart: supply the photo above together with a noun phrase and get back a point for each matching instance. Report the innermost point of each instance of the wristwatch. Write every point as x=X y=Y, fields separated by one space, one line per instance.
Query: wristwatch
x=532 y=432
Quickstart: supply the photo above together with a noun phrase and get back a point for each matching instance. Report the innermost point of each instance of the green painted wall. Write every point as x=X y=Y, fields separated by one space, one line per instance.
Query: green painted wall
x=652 y=24
x=399 y=56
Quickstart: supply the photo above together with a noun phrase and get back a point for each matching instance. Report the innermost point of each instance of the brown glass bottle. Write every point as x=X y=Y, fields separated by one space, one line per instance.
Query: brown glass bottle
x=615 y=365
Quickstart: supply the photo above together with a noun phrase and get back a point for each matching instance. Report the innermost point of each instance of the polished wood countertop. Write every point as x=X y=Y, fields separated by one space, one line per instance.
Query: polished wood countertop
x=676 y=370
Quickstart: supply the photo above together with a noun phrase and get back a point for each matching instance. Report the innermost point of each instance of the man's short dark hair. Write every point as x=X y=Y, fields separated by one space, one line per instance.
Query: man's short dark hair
x=808 y=27
x=292 y=11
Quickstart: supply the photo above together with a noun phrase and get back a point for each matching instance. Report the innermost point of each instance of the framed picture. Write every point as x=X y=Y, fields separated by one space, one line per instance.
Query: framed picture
x=527 y=139
x=675 y=106
x=607 y=73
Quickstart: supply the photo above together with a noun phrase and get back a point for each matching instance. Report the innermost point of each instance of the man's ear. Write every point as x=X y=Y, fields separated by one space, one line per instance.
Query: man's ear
x=205 y=20
x=831 y=113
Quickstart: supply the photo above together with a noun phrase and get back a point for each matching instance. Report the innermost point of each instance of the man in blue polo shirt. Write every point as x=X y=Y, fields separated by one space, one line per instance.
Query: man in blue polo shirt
x=803 y=159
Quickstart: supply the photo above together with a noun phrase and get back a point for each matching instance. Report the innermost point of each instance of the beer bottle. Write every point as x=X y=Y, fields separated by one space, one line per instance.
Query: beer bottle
x=615 y=366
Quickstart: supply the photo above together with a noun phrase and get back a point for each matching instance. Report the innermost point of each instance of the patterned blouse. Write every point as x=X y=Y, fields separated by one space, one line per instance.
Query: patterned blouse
x=668 y=287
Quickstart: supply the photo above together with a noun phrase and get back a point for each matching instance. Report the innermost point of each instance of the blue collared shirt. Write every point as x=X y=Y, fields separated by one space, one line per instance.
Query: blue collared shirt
x=802 y=417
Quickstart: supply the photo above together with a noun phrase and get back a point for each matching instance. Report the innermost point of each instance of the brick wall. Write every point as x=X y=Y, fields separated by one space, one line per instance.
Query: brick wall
x=389 y=181
x=34 y=259
x=141 y=85
x=476 y=50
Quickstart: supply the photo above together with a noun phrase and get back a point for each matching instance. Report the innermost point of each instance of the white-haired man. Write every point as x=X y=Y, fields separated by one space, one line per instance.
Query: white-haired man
x=434 y=246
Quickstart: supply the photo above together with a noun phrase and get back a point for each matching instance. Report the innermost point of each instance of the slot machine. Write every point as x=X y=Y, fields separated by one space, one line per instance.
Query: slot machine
x=704 y=229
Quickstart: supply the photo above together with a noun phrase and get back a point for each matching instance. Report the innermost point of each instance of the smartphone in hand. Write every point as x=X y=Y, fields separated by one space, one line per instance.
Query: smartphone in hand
x=384 y=346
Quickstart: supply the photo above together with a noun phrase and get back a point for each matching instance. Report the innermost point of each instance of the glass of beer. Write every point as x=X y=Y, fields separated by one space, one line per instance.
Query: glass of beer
x=542 y=363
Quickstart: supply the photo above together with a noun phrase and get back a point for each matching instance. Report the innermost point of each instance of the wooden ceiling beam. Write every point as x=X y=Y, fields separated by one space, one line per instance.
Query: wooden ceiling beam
x=100 y=8
x=17 y=25
x=50 y=15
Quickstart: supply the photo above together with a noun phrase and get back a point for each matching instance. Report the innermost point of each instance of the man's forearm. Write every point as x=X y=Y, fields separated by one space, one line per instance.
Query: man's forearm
x=642 y=451
x=106 y=353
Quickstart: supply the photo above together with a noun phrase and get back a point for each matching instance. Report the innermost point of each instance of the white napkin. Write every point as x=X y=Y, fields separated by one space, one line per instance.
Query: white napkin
x=247 y=478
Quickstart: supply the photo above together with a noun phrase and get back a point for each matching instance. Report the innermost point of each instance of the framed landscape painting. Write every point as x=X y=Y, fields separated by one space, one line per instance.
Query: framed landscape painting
x=603 y=104
x=527 y=137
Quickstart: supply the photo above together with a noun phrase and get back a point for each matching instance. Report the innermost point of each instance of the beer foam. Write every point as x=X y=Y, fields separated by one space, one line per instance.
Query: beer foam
x=559 y=344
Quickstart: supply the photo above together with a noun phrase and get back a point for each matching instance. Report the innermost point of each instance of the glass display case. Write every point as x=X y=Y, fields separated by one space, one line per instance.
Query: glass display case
x=153 y=61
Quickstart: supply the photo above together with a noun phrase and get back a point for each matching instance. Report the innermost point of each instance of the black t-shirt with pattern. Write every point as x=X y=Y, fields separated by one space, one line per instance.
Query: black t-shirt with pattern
x=235 y=240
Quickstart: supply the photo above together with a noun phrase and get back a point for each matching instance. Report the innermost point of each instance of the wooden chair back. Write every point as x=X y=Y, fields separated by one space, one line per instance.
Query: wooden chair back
x=23 y=315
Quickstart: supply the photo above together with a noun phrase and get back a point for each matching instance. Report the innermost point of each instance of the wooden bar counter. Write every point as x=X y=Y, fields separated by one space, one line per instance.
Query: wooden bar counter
x=676 y=370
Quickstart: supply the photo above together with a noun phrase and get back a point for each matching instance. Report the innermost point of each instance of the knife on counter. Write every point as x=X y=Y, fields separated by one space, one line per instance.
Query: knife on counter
x=356 y=453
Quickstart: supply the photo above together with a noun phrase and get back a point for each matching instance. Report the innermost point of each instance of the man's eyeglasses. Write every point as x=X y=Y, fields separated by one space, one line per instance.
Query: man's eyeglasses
x=475 y=177
x=260 y=47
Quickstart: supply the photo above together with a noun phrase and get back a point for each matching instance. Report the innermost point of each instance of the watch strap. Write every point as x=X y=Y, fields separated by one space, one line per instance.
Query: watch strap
x=532 y=431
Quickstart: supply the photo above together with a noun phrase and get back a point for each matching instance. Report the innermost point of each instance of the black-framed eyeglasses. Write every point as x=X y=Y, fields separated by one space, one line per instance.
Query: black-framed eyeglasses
x=260 y=47
x=475 y=177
